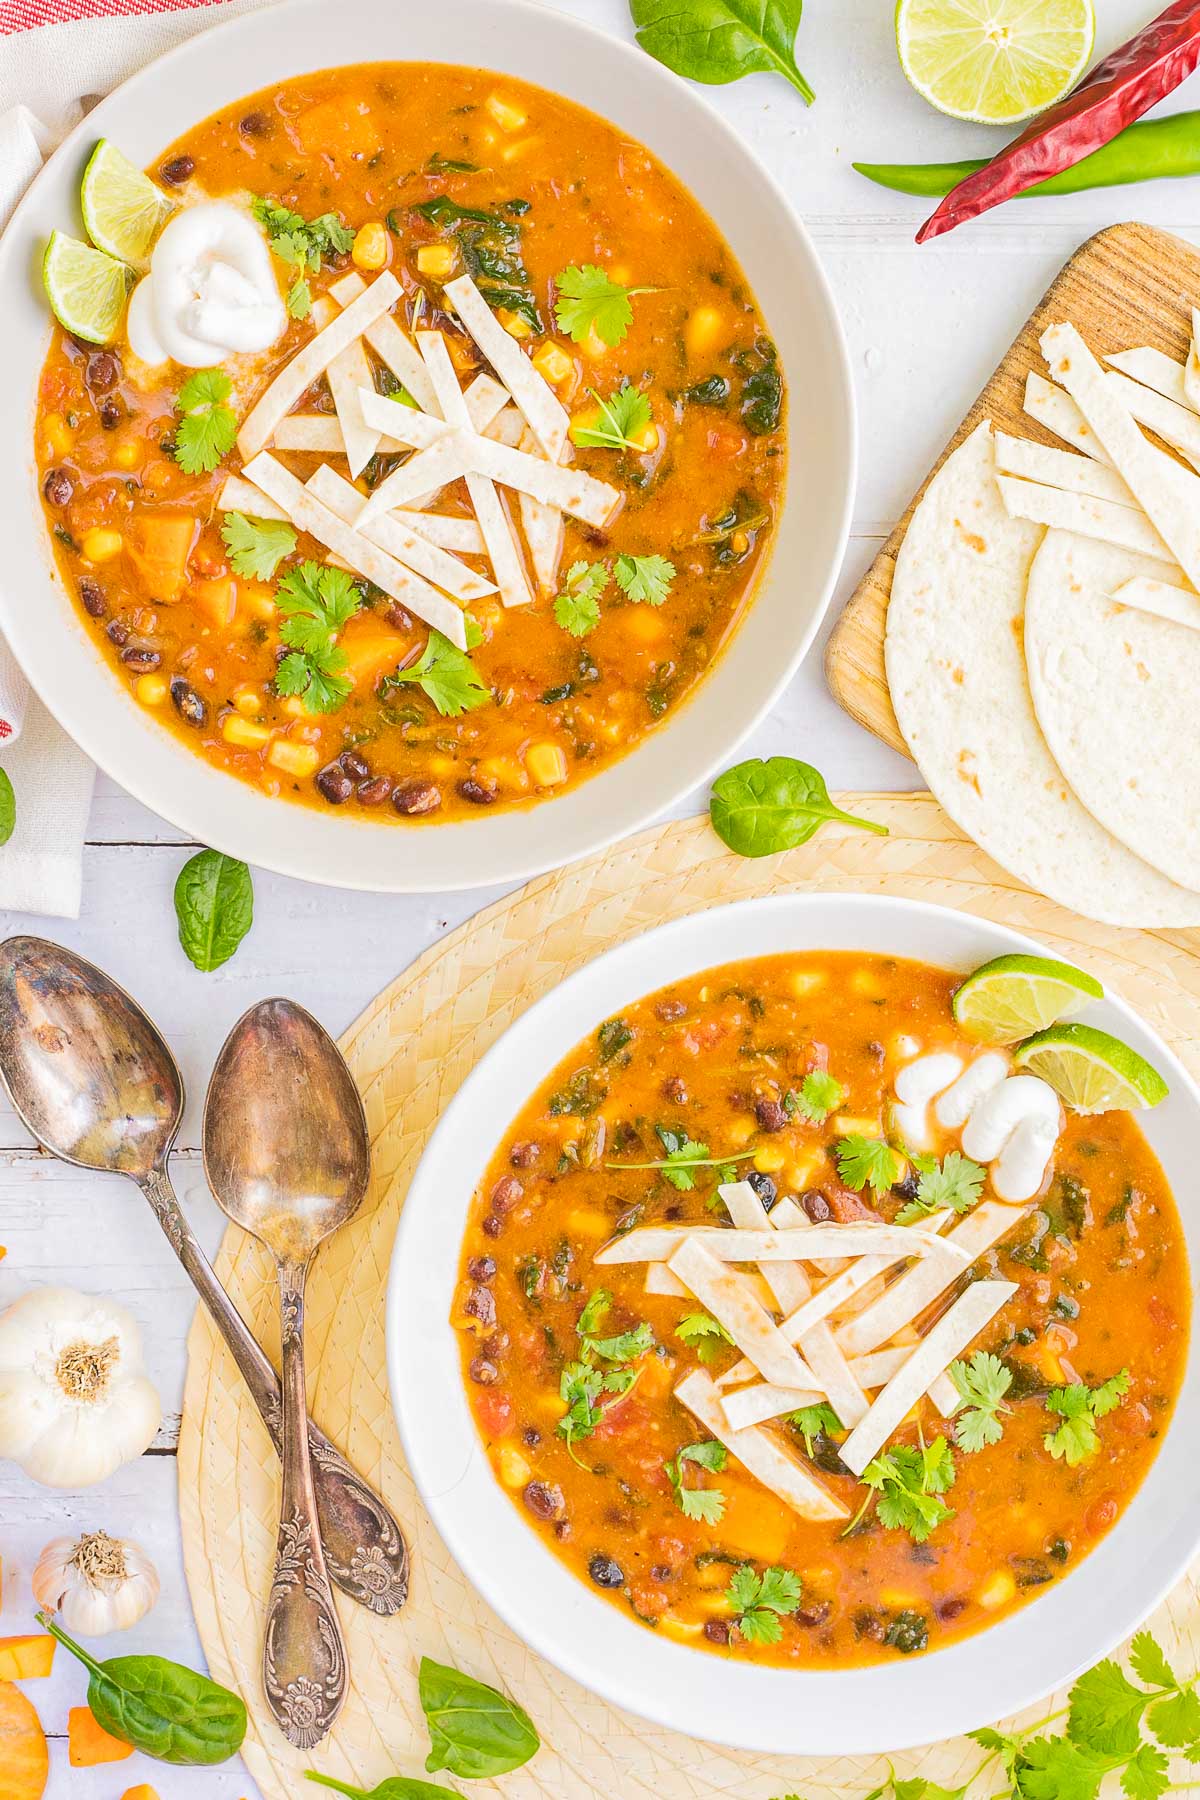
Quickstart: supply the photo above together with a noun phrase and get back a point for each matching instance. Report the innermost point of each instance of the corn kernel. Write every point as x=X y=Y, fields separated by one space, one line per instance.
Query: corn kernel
x=684 y=1631
x=547 y=765
x=508 y=116
x=514 y=1470
x=704 y=330
x=739 y=1132
x=243 y=735
x=248 y=701
x=100 y=546
x=438 y=260
x=768 y=1160
x=594 y=346
x=514 y=323
x=442 y=765
x=644 y=624
x=151 y=690
x=997 y=1590
x=589 y=1224
x=322 y=312
x=512 y=153
x=739 y=543
x=57 y=435
x=805 y=981
x=899 y=1599
x=801 y=1170
x=294 y=707
x=647 y=439
x=856 y=1124
x=370 y=247
x=128 y=455
x=621 y=273
x=293 y=759
x=552 y=363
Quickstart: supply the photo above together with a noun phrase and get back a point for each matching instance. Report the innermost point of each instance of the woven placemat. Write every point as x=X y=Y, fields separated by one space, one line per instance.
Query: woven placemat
x=410 y=1051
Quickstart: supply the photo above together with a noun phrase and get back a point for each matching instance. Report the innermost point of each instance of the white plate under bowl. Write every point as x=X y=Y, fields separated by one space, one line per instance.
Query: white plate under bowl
x=892 y=1705
x=640 y=97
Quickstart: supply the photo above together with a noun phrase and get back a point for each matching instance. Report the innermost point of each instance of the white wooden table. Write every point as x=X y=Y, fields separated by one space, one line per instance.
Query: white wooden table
x=925 y=328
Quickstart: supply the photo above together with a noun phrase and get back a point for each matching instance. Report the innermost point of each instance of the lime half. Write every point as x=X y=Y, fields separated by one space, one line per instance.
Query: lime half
x=122 y=209
x=85 y=288
x=1013 y=995
x=1092 y=1071
x=995 y=61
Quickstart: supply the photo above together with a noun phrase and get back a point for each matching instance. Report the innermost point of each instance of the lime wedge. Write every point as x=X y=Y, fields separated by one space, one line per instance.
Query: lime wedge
x=1092 y=1071
x=122 y=209
x=1013 y=995
x=85 y=288
x=995 y=61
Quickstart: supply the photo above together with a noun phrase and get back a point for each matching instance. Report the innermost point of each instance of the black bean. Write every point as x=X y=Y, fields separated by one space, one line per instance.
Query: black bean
x=177 y=169
x=815 y=1613
x=717 y=1631
x=605 y=1572
x=495 y=1343
x=479 y=793
x=118 y=631
x=661 y=1572
x=507 y=1191
x=816 y=1205
x=188 y=703
x=255 y=124
x=492 y=1226
x=485 y=1373
x=770 y=1115
x=374 y=793
x=668 y=1010
x=411 y=798
x=947 y=1610
x=92 y=595
x=333 y=784
x=481 y=1304
x=355 y=765
x=562 y=1530
x=111 y=414
x=764 y=1187
x=523 y=1156
x=544 y=1500
x=909 y=1187
x=531 y=1437
x=103 y=372
x=482 y=1268
x=675 y=1088
x=396 y=615
x=141 y=657
x=58 y=487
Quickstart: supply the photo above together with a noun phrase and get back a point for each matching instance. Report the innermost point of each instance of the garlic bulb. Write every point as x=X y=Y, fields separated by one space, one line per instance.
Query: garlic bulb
x=96 y=1583
x=74 y=1401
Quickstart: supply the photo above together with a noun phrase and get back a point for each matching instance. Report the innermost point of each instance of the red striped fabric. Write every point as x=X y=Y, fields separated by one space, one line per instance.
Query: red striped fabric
x=26 y=15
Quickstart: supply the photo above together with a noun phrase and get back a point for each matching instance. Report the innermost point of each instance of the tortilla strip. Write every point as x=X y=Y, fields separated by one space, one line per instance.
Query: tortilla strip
x=543 y=525
x=1056 y=412
x=763 y=1400
x=347 y=375
x=920 y=1286
x=414 y=551
x=1163 y=599
x=1191 y=373
x=654 y=1243
x=544 y=413
x=1175 y=425
x=791 y=1287
x=239 y=495
x=567 y=488
x=659 y=1280
x=945 y=1396
x=1088 y=518
x=760 y=1453
x=724 y=1293
x=932 y=1356
x=390 y=344
x=318 y=433
x=311 y=515
x=411 y=429
x=1154 y=370
x=788 y=1215
x=297 y=376
x=1074 y=474
x=422 y=476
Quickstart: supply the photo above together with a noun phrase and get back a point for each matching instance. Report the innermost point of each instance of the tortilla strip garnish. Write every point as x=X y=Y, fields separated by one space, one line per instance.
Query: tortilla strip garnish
x=311 y=515
x=346 y=374
x=408 y=547
x=1088 y=518
x=659 y=1280
x=543 y=525
x=544 y=413
x=653 y=1243
x=567 y=488
x=760 y=1453
x=1074 y=474
x=1162 y=598
x=297 y=376
x=239 y=495
x=390 y=344
x=763 y=1400
x=732 y=1304
x=920 y=1286
x=791 y=1287
x=932 y=1356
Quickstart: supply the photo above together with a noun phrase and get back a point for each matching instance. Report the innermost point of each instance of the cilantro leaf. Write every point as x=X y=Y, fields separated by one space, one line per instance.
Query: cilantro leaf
x=1149 y=1664
x=813 y=1422
x=1058 y=1769
x=818 y=1095
x=446 y=675
x=577 y=607
x=684 y=1155
x=956 y=1183
x=623 y=1348
x=299 y=299
x=302 y=244
x=1106 y=1710
x=207 y=428
x=760 y=1600
x=622 y=416
x=982 y=1383
x=644 y=579
x=256 y=546
x=864 y=1161
x=908 y=1481
x=703 y=1334
x=589 y=1319
x=316 y=602
x=1176 y=1721
x=1078 y=1406
x=1146 y=1775
x=707 y=1504
x=588 y=297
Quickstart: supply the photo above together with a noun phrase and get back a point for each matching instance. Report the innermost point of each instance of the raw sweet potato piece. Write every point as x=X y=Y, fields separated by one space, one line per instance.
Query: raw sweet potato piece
x=24 y=1759
x=23 y=1658
x=88 y=1742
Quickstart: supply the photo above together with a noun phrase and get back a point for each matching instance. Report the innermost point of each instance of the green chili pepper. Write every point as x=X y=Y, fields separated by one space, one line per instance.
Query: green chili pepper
x=1151 y=150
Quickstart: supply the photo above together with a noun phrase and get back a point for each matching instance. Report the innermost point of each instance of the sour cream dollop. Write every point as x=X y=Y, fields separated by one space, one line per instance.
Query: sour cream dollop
x=211 y=291
x=1010 y=1122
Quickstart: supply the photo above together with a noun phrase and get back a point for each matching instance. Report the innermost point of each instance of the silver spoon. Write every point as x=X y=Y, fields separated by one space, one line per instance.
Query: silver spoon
x=97 y=1085
x=286 y=1154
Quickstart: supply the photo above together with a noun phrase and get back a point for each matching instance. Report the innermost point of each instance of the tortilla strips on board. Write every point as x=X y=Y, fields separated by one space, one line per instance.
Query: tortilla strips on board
x=1076 y=512
x=1191 y=373
x=760 y=1453
x=733 y=1304
x=347 y=375
x=1175 y=425
x=654 y=1243
x=1153 y=370
x=414 y=551
x=1057 y=413
x=920 y=1286
x=311 y=515
x=932 y=1356
x=1073 y=473
x=297 y=376
x=390 y=344
x=543 y=411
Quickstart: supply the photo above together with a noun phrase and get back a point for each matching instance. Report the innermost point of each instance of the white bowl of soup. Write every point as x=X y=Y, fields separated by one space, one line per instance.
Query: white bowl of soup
x=609 y=670
x=560 y=1369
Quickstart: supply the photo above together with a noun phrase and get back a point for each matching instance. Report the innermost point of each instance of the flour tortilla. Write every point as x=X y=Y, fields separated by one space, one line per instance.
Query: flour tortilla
x=957 y=676
x=1113 y=689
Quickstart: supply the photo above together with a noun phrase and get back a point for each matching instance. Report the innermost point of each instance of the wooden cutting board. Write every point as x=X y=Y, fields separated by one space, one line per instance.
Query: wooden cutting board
x=1127 y=286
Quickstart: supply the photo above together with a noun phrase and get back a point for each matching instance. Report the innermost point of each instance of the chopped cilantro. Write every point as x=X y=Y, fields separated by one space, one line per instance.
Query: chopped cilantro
x=316 y=602
x=707 y=1504
x=956 y=1183
x=207 y=428
x=577 y=607
x=818 y=1095
x=684 y=1155
x=1078 y=1406
x=761 y=1600
x=646 y=580
x=982 y=1383
x=812 y=1422
x=703 y=1334
x=864 y=1161
x=256 y=546
x=622 y=416
x=445 y=674
x=908 y=1481
x=588 y=298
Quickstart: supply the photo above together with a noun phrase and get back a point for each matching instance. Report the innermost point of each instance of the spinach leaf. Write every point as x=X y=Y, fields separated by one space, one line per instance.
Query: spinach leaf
x=164 y=1710
x=715 y=41
x=8 y=807
x=758 y=808
x=396 y=1787
x=762 y=401
x=214 y=903
x=475 y=1731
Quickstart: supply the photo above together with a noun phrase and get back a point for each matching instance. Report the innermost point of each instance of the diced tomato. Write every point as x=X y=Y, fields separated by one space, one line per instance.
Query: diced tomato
x=726 y=440
x=623 y=1418
x=494 y=1410
x=650 y=1602
x=1102 y=1514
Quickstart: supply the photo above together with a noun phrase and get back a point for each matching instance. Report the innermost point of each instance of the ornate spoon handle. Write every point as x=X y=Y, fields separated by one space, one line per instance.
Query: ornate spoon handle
x=304 y=1658
x=364 y=1546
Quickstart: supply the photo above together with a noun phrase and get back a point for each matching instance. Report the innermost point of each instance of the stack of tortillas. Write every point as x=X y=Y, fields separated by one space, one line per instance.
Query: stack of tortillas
x=1043 y=637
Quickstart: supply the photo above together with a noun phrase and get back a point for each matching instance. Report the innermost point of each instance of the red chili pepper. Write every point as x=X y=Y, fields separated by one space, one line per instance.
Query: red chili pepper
x=1118 y=91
